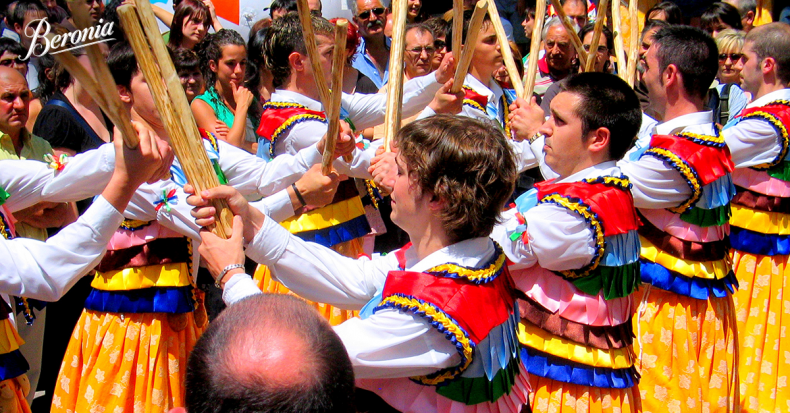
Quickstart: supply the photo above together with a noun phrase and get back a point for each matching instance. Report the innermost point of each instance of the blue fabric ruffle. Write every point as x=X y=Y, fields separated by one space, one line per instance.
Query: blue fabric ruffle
x=699 y=288
x=717 y=193
x=497 y=350
x=566 y=371
x=177 y=172
x=12 y=365
x=174 y=300
x=621 y=249
x=351 y=229
x=527 y=200
x=374 y=302
x=756 y=243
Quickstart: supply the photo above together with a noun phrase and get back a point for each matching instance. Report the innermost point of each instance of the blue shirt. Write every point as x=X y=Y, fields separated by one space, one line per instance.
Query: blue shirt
x=366 y=66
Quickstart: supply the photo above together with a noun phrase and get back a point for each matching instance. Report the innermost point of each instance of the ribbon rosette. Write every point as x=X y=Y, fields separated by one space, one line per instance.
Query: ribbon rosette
x=521 y=229
x=57 y=164
x=168 y=198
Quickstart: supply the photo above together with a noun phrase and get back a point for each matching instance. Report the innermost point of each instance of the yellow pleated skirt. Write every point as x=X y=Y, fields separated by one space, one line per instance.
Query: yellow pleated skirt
x=763 y=313
x=686 y=353
x=13 y=397
x=334 y=315
x=126 y=362
x=555 y=396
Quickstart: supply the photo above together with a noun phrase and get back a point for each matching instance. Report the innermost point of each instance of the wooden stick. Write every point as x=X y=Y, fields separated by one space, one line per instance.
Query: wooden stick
x=507 y=54
x=633 y=47
x=458 y=26
x=392 y=118
x=106 y=96
x=173 y=108
x=338 y=63
x=577 y=43
x=596 y=39
x=534 y=49
x=312 y=52
x=619 y=47
x=472 y=33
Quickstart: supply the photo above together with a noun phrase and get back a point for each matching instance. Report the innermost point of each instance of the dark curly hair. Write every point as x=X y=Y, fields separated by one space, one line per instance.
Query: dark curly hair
x=464 y=162
x=210 y=48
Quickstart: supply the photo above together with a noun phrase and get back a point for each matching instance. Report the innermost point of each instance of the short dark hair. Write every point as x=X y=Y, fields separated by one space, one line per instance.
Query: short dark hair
x=215 y=383
x=693 y=52
x=287 y=5
x=187 y=9
x=606 y=102
x=720 y=11
x=467 y=20
x=22 y=8
x=285 y=37
x=608 y=37
x=122 y=63
x=185 y=60
x=464 y=162
x=672 y=10
x=773 y=40
x=12 y=46
x=652 y=24
x=438 y=26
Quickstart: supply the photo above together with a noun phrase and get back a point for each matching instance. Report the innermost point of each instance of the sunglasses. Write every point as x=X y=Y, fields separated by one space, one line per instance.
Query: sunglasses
x=378 y=11
x=9 y=62
x=439 y=44
x=601 y=48
x=733 y=56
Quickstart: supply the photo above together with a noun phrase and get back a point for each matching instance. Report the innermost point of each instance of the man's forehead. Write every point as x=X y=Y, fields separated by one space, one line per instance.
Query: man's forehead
x=7 y=55
x=368 y=4
x=35 y=14
x=557 y=32
x=416 y=36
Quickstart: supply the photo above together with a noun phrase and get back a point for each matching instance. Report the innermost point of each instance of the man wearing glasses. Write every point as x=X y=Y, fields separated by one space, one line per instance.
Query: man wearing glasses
x=373 y=53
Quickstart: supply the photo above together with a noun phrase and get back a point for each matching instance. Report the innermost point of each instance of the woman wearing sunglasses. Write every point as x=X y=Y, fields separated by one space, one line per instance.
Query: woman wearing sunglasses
x=730 y=43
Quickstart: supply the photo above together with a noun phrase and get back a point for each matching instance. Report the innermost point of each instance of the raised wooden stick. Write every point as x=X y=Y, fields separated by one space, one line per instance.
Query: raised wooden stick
x=395 y=83
x=338 y=63
x=458 y=26
x=106 y=95
x=534 y=49
x=312 y=52
x=577 y=43
x=507 y=54
x=171 y=102
x=633 y=47
x=472 y=33
x=618 y=40
x=596 y=39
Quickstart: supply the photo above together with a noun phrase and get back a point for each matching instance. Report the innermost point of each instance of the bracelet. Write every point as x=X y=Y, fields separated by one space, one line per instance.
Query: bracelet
x=224 y=272
x=534 y=137
x=299 y=195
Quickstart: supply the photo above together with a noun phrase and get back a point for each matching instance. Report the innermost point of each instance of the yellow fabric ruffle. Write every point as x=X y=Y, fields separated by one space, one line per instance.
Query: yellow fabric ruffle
x=537 y=338
x=760 y=221
x=135 y=278
x=554 y=396
x=700 y=269
x=325 y=217
x=126 y=362
x=9 y=338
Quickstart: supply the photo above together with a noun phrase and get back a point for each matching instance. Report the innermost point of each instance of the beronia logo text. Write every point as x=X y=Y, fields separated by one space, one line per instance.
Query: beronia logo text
x=41 y=43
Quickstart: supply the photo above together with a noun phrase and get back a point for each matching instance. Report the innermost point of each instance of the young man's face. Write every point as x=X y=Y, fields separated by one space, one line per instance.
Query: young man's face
x=488 y=55
x=750 y=66
x=409 y=204
x=192 y=81
x=564 y=147
x=12 y=60
x=652 y=79
x=30 y=21
x=326 y=48
x=143 y=101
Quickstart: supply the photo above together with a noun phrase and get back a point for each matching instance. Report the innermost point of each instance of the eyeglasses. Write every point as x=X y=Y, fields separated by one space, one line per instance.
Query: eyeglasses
x=601 y=48
x=439 y=44
x=8 y=62
x=733 y=56
x=378 y=11
x=418 y=50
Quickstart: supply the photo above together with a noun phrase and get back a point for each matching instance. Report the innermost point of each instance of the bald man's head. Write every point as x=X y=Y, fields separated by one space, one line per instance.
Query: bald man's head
x=14 y=101
x=269 y=353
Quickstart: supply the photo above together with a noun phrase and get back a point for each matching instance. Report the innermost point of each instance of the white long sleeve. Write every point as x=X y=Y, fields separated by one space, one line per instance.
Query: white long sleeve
x=754 y=141
x=46 y=270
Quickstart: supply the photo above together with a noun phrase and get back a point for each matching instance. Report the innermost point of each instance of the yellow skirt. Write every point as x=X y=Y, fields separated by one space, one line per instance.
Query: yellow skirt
x=335 y=316
x=126 y=362
x=555 y=396
x=762 y=308
x=688 y=353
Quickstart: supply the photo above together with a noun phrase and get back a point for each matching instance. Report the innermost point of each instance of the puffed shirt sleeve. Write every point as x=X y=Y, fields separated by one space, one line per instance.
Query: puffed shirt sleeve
x=655 y=185
x=751 y=142
x=369 y=110
x=31 y=182
x=46 y=270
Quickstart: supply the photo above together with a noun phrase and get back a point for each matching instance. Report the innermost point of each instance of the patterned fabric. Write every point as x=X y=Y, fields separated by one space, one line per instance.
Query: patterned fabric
x=760 y=258
x=686 y=333
x=279 y=117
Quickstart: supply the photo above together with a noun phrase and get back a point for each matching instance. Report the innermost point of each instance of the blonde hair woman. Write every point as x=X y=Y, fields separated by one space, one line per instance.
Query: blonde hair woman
x=730 y=44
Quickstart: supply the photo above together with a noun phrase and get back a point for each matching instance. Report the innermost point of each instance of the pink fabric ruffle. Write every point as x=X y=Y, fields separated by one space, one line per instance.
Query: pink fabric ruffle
x=124 y=238
x=409 y=397
x=560 y=296
x=673 y=225
x=760 y=181
x=10 y=220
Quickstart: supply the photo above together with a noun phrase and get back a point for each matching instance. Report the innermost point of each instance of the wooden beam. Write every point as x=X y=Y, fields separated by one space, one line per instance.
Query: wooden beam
x=596 y=39
x=472 y=33
x=338 y=64
x=619 y=47
x=395 y=83
x=633 y=48
x=534 y=49
x=507 y=54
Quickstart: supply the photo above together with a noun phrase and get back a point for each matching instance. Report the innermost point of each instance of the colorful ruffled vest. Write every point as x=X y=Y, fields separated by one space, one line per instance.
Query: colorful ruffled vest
x=477 y=101
x=344 y=218
x=576 y=324
x=762 y=203
x=685 y=249
x=452 y=298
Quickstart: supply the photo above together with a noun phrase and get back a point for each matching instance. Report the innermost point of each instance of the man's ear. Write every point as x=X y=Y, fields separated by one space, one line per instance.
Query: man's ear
x=125 y=94
x=18 y=28
x=768 y=65
x=297 y=61
x=671 y=75
x=749 y=18
x=599 y=140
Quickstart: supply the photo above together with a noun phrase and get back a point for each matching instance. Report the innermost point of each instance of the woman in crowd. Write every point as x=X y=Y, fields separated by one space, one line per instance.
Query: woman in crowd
x=227 y=103
x=258 y=80
x=187 y=65
x=730 y=44
x=413 y=9
x=191 y=21
x=666 y=11
x=720 y=16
